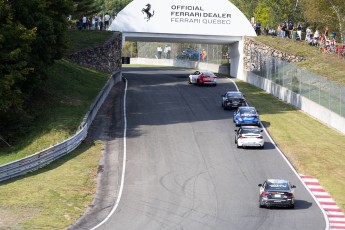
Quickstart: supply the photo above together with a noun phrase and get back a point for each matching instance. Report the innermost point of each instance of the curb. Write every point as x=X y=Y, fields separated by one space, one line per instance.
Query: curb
x=334 y=214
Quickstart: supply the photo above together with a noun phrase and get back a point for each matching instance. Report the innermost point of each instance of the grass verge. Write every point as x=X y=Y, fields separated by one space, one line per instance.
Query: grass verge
x=85 y=39
x=67 y=96
x=53 y=197
x=312 y=147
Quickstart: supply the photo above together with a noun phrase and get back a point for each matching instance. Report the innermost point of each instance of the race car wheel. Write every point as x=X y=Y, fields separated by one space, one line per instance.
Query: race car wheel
x=292 y=206
x=260 y=204
x=189 y=81
x=238 y=146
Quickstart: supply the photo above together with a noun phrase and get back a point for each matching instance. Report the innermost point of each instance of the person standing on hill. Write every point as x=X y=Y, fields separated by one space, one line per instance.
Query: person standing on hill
x=106 y=21
x=284 y=28
x=159 y=52
x=258 y=28
x=299 y=31
x=290 y=28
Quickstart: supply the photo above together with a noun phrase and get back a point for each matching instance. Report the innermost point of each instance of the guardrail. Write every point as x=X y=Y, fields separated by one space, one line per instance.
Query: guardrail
x=46 y=156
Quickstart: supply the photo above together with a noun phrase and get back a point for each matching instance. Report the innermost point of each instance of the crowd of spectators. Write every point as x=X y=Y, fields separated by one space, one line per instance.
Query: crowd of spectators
x=95 y=22
x=324 y=41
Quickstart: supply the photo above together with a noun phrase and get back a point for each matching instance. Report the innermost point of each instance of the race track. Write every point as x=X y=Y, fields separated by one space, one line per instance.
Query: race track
x=183 y=170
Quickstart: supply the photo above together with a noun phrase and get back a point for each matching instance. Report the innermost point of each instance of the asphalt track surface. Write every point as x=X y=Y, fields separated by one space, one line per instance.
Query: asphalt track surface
x=183 y=170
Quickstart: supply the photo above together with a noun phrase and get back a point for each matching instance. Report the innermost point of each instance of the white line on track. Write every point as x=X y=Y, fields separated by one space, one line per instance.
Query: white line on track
x=123 y=162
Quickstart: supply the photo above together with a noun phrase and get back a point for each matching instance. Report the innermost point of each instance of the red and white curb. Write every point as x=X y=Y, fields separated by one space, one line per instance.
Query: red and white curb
x=335 y=215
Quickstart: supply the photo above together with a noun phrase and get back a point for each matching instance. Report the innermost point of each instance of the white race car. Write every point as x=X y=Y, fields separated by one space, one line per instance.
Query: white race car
x=201 y=77
x=249 y=136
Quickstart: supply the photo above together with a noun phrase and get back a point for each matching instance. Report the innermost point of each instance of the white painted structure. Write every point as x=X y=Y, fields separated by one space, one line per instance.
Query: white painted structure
x=192 y=21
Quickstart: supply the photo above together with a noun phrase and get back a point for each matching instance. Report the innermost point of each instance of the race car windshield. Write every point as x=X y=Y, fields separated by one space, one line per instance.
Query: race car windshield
x=209 y=74
x=235 y=95
x=252 y=131
x=277 y=186
x=248 y=111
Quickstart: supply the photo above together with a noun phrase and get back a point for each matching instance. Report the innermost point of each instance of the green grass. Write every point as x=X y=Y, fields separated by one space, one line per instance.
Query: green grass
x=312 y=147
x=329 y=66
x=53 y=197
x=84 y=39
x=67 y=96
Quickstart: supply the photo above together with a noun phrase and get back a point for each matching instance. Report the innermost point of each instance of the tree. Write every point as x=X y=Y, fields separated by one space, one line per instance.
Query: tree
x=329 y=13
x=32 y=37
x=15 y=49
x=86 y=8
x=114 y=7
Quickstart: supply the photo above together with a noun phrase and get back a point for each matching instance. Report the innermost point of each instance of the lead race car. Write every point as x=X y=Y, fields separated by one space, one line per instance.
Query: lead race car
x=202 y=77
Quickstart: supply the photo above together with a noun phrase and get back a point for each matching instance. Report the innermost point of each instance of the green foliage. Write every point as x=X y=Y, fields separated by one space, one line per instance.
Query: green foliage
x=85 y=8
x=32 y=37
x=114 y=7
x=15 y=50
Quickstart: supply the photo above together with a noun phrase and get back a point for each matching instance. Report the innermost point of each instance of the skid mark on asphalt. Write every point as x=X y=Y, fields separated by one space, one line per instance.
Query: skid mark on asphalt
x=335 y=215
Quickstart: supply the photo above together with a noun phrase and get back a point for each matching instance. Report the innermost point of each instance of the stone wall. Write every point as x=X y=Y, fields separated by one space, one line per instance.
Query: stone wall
x=252 y=47
x=106 y=57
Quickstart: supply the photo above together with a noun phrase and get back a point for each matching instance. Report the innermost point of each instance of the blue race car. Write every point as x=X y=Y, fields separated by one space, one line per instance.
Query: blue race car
x=246 y=115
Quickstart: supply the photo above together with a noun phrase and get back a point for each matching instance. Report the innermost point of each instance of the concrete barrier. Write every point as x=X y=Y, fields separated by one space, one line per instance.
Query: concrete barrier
x=315 y=110
x=184 y=64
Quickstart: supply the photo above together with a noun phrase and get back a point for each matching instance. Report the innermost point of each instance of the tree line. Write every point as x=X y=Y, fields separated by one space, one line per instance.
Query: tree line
x=32 y=37
x=310 y=13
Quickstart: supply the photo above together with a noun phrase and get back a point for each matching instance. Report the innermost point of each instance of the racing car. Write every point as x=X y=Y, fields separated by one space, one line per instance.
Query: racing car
x=246 y=115
x=201 y=77
x=276 y=193
x=233 y=99
x=249 y=136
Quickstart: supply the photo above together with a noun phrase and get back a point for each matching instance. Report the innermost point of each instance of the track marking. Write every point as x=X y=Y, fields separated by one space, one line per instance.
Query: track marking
x=123 y=162
x=335 y=215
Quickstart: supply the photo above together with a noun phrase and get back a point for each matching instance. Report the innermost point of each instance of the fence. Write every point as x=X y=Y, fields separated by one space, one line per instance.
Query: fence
x=312 y=86
x=43 y=158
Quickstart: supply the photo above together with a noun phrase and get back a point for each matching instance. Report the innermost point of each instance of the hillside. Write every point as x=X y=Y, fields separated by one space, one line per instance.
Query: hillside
x=330 y=66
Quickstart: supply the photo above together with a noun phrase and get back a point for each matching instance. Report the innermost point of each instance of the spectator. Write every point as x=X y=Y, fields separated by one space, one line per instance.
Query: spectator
x=290 y=29
x=316 y=34
x=299 y=31
x=284 y=28
x=84 y=20
x=203 y=55
x=159 y=52
x=106 y=21
x=167 y=50
x=279 y=30
x=96 y=22
x=308 y=34
x=258 y=28
x=326 y=31
x=309 y=40
x=316 y=38
x=93 y=23
x=100 y=23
